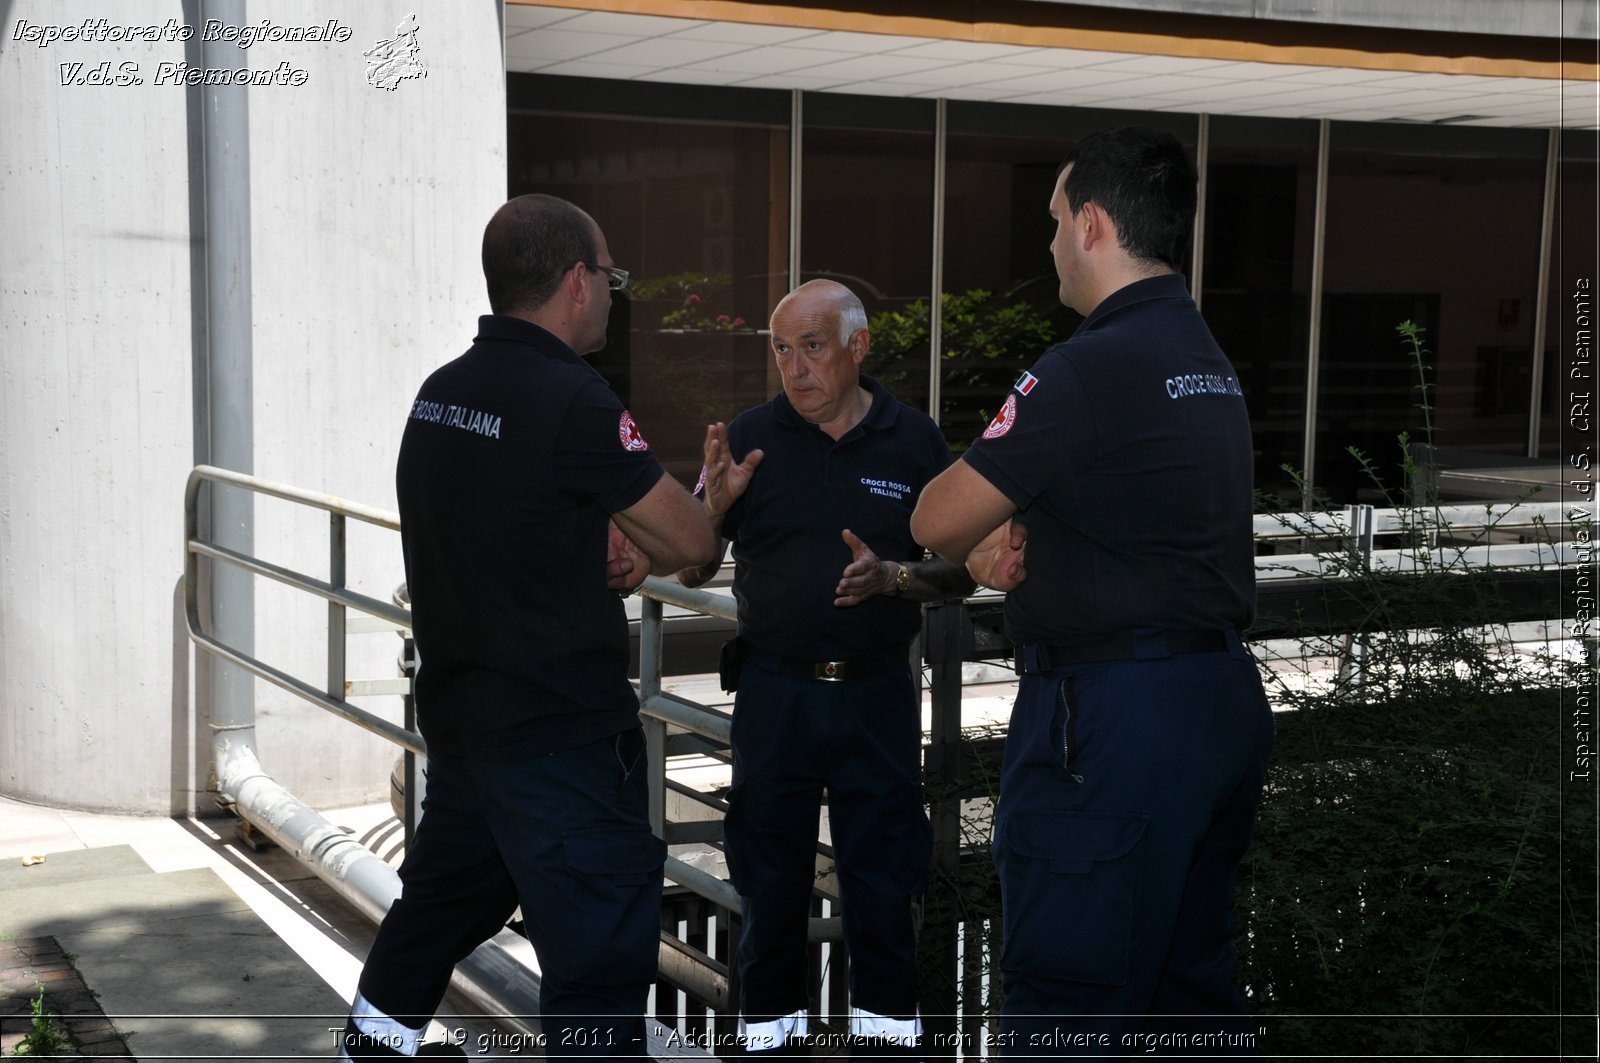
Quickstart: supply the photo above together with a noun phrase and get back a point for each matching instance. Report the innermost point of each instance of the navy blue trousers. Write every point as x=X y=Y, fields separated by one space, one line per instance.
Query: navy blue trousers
x=861 y=740
x=1127 y=798
x=567 y=836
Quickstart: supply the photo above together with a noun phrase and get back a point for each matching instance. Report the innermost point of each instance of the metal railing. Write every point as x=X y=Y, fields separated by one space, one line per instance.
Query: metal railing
x=1315 y=591
x=1457 y=539
x=492 y=977
x=675 y=725
x=712 y=982
x=340 y=598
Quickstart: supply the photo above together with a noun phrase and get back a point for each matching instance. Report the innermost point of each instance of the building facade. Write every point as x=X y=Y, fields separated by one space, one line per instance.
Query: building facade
x=1349 y=173
x=1365 y=162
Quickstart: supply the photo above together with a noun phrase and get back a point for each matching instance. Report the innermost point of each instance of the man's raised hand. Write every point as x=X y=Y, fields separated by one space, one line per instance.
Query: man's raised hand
x=725 y=479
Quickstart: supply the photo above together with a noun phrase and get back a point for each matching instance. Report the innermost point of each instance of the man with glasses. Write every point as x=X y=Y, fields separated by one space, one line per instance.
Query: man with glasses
x=616 y=279
x=528 y=496
x=815 y=489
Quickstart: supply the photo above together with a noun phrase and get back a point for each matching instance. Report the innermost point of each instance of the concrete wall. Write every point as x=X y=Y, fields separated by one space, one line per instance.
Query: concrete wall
x=367 y=208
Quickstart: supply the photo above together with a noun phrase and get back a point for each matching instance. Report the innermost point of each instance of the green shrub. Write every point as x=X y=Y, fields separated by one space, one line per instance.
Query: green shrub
x=1410 y=888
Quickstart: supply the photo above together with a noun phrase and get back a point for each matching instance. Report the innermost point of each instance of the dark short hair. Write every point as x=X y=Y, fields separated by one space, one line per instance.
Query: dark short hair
x=529 y=245
x=1144 y=181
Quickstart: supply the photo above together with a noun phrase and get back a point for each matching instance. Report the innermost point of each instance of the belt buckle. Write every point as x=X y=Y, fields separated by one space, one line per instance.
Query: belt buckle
x=828 y=671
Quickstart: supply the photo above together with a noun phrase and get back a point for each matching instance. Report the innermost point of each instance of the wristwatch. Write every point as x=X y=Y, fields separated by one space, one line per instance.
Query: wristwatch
x=903 y=580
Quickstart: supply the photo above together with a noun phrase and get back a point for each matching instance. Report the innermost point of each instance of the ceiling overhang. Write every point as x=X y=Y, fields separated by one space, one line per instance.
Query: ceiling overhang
x=1067 y=55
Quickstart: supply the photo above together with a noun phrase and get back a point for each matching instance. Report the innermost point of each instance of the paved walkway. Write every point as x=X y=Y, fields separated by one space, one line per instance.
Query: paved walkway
x=189 y=943
x=196 y=947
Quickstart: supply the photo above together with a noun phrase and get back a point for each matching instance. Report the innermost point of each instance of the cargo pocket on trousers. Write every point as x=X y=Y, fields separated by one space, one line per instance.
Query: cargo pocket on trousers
x=608 y=929
x=622 y=856
x=1071 y=882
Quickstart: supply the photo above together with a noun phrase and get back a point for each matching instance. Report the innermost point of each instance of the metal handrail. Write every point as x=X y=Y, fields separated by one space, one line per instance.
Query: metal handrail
x=665 y=708
x=1497 y=516
x=195 y=548
x=661 y=709
x=491 y=976
x=698 y=719
x=300 y=830
x=701 y=601
x=383 y=518
x=327 y=591
x=1424 y=560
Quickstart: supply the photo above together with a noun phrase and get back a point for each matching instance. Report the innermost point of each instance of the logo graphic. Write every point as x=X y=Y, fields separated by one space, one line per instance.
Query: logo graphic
x=1025 y=383
x=628 y=432
x=700 y=484
x=1003 y=420
x=392 y=61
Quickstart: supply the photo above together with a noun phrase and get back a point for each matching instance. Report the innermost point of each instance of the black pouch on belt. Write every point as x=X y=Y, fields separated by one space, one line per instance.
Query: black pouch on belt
x=728 y=665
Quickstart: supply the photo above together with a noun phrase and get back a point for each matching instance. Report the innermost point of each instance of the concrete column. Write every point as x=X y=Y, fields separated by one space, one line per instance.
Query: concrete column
x=366 y=209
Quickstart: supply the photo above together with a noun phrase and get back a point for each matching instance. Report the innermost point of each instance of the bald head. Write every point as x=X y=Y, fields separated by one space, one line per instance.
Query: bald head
x=529 y=245
x=830 y=298
x=819 y=338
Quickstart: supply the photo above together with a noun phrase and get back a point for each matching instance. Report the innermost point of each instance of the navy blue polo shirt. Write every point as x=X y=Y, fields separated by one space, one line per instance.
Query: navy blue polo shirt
x=1127 y=451
x=786 y=528
x=514 y=456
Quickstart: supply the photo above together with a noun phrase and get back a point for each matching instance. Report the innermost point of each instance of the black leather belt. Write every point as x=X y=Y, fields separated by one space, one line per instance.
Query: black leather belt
x=874 y=663
x=1035 y=658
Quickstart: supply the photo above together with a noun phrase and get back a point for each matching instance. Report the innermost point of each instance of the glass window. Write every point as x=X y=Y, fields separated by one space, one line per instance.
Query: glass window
x=1001 y=297
x=866 y=217
x=1574 y=298
x=694 y=202
x=1002 y=307
x=1438 y=226
x=1260 y=222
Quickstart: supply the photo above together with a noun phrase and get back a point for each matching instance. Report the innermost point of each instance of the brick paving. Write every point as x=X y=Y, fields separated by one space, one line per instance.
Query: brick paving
x=29 y=964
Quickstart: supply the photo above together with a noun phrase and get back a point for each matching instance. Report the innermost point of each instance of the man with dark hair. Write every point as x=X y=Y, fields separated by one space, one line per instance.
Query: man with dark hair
x=527 y=497
x=528 y=248
x=1111 y=499
x=1148 y=191
x=814 y=489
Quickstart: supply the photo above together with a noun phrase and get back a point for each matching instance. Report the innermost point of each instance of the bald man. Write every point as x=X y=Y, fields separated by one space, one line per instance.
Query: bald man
x=815 y=491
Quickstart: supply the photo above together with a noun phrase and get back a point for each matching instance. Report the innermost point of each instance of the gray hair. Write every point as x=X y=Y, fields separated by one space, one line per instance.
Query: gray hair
x=852 y=315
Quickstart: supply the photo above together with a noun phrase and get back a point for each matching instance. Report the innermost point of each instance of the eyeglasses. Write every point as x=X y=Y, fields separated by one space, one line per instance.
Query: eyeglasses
x=616 y=279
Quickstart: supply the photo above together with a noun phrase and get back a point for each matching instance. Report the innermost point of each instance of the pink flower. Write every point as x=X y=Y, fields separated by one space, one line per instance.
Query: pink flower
x=691 y=300
x=738 y=322
x=722 y=319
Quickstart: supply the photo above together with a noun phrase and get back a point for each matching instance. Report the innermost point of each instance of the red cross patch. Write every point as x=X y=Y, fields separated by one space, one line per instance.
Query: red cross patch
x=1003 y=420
x=628 y=432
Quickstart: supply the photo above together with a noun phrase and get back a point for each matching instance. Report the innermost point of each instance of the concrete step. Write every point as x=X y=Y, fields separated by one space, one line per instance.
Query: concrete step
x=73 y=865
